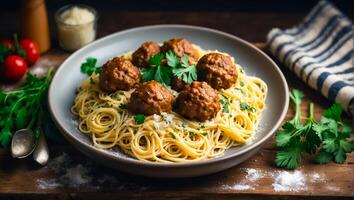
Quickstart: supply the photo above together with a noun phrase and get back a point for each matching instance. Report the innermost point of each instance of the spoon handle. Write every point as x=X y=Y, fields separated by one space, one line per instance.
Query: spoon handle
x=41 y=153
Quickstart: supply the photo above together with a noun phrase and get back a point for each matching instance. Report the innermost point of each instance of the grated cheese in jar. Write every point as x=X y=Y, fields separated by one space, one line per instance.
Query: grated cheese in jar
x=76 y=26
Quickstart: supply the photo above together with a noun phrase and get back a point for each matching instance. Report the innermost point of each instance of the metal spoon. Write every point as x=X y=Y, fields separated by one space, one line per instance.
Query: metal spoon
x=23 y=143
x=41 y=153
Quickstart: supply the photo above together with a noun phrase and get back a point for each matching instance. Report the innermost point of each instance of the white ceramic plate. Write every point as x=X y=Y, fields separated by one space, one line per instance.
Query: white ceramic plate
x=68 y=78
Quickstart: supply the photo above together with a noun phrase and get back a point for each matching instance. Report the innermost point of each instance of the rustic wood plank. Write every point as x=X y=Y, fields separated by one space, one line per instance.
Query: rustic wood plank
x=21 y=178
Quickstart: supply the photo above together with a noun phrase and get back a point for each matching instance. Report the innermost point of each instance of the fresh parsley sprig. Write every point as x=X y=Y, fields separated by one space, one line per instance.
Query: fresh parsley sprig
x=174 y=67
x=89 y=66
x=157 y=71
x=326 y=140
x=21 y=108
x=181 y=69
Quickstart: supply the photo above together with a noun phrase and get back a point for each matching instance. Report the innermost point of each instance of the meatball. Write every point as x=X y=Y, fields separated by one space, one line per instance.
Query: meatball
x=151 y=98
x=142 y=55
x=181 y=46
x=119 y=74
x=198 y=101
x=217 y=70
x=178 y=84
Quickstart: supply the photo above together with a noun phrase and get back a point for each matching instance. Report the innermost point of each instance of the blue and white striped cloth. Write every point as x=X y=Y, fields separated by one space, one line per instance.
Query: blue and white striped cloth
x=320 y=52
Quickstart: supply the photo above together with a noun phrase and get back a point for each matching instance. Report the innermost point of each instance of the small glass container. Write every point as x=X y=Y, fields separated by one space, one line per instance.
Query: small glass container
x=75 y=35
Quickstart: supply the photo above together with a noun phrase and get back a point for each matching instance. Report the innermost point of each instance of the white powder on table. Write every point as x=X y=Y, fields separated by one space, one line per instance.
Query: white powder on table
x=253 y=174
x=250 y=181
x=289 y=181
x=83 y=174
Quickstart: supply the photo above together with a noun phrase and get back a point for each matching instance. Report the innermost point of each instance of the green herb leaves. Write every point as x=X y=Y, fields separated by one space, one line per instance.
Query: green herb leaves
x=156 y=71
x=225 y=102
x=182 y=70
x=139 y=118
x=245 y=106
x=20 y=108
x=89 y=67
x=174 y=68
x=326 y=140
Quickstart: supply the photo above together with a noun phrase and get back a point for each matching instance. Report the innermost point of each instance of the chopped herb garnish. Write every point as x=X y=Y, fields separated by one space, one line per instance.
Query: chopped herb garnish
x=173 y=136
x=89 y=67
x=182 y=70
x=123 y=106
x=225 y=102
x=191 y=134
x=205 y=133
x=245 y=106
x=156 y=71
x=174 y=68
x=242 y=84
x=139 y=118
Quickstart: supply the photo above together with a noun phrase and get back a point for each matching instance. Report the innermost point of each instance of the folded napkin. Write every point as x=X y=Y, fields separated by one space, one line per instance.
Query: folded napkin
x=320 y=52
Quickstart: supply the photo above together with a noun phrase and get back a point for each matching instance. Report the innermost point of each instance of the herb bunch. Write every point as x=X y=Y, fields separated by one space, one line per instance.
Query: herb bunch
x=21 y=108
x=175 y=67
x=326 y=140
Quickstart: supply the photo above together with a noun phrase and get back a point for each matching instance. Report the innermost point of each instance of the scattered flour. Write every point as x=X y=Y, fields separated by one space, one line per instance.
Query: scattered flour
x=316 y=177
x=71 y=174
x=289 y=181
x=250 y=181
x=253 y=174
x=240 y=187
x=283 y=181
x=333 y=188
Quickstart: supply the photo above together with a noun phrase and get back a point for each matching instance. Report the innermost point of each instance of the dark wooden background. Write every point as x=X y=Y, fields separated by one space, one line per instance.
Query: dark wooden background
x=248 y=19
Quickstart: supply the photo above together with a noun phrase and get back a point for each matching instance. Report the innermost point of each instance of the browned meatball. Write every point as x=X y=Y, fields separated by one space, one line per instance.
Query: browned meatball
x=178 y=84
x=218 y=70
x=142 y=55
x=119 y=74
x=151 y=98
x=181 y=46
x=198 y=101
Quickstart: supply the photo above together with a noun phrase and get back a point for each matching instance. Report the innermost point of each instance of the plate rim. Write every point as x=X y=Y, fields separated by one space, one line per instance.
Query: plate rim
x=169 y=165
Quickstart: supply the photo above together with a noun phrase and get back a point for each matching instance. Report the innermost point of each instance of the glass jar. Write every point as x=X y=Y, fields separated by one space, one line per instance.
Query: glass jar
x=74 y=36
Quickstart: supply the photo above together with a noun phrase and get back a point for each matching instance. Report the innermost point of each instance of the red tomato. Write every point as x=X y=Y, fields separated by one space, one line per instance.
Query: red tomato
x=32 y=50
x=14 y=68
x=7 y=43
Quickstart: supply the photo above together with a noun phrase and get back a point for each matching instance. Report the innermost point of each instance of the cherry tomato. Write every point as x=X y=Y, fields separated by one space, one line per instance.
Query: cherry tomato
x=14 y=68
x=32 y=50
x=7 y=43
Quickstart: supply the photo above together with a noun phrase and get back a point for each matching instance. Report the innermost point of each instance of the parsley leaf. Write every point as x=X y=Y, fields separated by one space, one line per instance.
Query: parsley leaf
x=245 y=106
x=181 y=69
x=139 y=118
x=21 y=108
x=172 y=59
x=288 y=158
x=173 y=135
x=323 y=157
x=89 y=66
x=156 y=60
x=326 y=140
x=334 y=112
x=225 y=102
x=157 y=72
x=163 y=73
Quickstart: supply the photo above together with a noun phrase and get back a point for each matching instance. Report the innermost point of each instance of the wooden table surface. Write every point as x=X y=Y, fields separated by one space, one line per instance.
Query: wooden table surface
x=24 y=179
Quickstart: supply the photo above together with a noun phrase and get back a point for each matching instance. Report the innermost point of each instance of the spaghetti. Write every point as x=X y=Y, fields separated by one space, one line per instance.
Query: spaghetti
x=169 y=137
